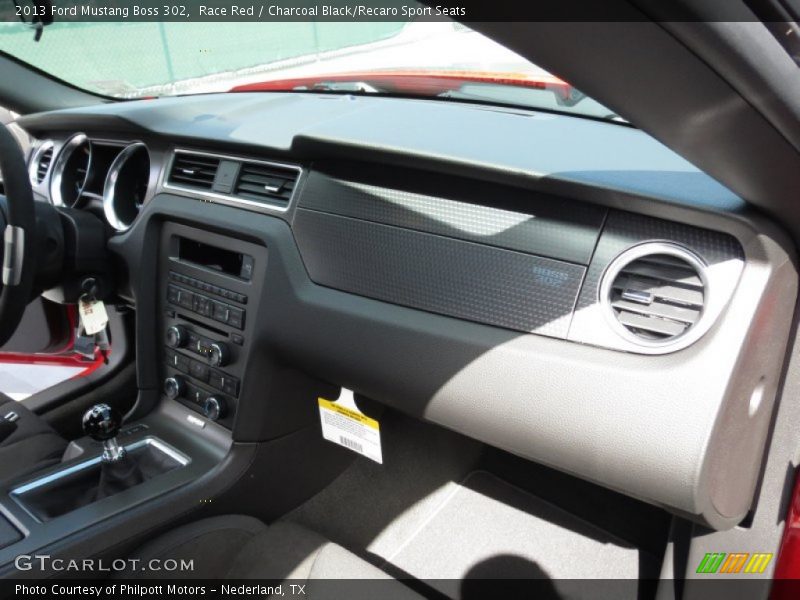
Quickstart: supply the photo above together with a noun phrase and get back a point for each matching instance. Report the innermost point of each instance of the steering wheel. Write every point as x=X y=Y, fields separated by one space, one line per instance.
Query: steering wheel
x=18 y=223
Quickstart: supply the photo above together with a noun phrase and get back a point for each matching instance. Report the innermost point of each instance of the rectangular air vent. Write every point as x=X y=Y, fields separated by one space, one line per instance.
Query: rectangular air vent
x=45 y=159
x=193 y=170
x=266 y=183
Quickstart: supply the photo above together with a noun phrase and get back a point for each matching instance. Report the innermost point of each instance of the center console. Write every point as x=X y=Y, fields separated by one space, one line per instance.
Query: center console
x=208 y=288
x=101 y=478
x=208 y=294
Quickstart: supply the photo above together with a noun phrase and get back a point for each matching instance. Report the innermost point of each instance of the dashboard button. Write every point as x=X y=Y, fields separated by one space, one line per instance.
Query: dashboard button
x=221 y=312
x=203 y=305
x=185 y=298
x=172 y=294
x=237 y=339
x=230 y=385
x=182 y=363
x=247 y=267
x=214 y=408
x=198 y=370
x=193 y=340
x=236 y=318
x=177 y=336
x=219 y=354
x=177 y=361
x=215 y=379
x=196 y=395
x=174 y=387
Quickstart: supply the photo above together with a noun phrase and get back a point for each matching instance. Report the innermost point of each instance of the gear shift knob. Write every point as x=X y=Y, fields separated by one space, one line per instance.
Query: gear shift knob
x=102 y=423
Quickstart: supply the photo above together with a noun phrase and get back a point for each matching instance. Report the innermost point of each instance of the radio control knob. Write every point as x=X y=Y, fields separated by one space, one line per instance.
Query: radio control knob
x=219 y=354
x=214 y=408
x=174 y=387
x=177 y=336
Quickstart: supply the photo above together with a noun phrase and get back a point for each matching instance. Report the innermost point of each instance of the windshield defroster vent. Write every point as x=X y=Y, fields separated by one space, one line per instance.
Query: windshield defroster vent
x=194 y=170
x=656 y=292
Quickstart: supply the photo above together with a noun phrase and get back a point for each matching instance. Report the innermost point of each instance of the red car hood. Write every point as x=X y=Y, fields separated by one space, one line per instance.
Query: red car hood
x=417 y=82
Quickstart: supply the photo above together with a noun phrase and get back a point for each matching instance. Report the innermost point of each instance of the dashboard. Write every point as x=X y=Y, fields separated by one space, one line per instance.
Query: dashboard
x=565 y=289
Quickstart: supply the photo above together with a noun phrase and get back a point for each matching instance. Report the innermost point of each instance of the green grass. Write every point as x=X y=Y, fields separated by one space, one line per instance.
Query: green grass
x=110 y=57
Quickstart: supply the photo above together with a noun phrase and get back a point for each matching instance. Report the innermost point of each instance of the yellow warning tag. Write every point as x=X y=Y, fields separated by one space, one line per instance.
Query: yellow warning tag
x=343 y=424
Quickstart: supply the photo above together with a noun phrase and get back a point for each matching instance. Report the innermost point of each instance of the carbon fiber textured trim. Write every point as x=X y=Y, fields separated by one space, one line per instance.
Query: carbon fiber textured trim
x=623 y=230
x=553 y=227
x=439 y=274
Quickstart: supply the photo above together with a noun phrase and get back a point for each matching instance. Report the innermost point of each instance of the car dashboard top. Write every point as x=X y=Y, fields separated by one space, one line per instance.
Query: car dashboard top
x=566 y=282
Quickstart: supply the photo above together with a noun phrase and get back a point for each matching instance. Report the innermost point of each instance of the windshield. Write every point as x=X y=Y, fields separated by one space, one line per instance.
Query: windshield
x=434 y=59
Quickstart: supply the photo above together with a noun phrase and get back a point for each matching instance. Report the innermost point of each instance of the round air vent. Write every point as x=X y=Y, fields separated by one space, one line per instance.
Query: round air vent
x=126 y=186
x=655 y=294
x=40 y=162
x=71 y=171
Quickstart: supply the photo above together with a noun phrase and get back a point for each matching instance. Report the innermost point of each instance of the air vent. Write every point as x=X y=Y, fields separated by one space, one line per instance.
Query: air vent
x=194 y=170
x=256 y=185
x=40 y=163
x=656 y=292
x=265 y=183
x=44 y=164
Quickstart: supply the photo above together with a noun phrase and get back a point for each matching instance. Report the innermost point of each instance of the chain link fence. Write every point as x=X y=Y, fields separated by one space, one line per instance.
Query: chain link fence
x=132 y=58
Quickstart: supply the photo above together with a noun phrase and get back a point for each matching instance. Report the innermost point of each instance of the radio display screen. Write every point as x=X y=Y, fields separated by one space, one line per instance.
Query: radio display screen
x=217 y=259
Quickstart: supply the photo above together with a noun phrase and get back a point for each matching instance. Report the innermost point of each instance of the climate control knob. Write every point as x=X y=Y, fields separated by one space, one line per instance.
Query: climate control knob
x=214 y=408
x=177 y=336
x=219 y=354
x=174 y=387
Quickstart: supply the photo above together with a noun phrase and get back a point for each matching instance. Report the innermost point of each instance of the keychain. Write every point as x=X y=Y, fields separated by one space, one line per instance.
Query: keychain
x=93 y=321
x=93 y=315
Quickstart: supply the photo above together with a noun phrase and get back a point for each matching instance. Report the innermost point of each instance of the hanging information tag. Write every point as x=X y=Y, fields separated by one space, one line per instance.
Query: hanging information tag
x=93 y=315
x=344 y=424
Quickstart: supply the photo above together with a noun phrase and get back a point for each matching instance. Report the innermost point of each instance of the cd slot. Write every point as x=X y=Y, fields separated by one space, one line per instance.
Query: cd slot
x=213 y=258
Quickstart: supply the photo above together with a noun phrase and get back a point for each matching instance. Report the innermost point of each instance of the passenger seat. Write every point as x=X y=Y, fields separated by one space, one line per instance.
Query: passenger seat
x=241 y=547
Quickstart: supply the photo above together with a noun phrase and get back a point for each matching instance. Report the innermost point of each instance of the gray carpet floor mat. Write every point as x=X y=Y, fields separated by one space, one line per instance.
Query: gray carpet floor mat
x=430 y=514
